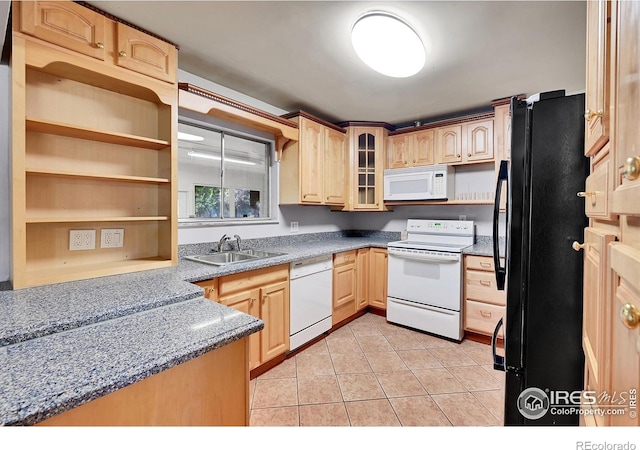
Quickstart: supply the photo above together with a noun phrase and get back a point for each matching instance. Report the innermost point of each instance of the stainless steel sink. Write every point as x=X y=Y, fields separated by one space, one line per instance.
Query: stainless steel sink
x=260 y=253
x=224 y=258
x=220 y=259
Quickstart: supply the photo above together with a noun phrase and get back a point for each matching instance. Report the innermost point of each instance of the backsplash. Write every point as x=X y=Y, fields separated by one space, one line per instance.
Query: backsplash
x=275 y=241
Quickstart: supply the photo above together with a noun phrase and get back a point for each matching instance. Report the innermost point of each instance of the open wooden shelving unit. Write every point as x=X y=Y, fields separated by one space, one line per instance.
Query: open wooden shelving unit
x=93 y=148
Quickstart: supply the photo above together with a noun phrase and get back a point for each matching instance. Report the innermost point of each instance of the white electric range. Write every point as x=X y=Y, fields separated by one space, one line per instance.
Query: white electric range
x=425 y=276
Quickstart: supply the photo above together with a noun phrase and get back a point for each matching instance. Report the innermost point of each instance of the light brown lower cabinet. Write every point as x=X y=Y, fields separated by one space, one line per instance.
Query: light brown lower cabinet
x=262 y=293
x=624 y=335
x=344 y=286
x=378 y=278
x=210 y=390
x=484 y=304
x=359 y=281
x=362 y=278
x=596 y=312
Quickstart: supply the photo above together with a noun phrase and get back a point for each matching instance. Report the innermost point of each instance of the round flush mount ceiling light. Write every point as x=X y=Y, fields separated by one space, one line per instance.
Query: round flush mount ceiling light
x=388 y=44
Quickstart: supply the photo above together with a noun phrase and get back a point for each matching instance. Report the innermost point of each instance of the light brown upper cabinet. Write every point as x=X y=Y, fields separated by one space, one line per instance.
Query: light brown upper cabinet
x=411 y=149
x=469 y=142
x=367 y=160
x=335 y=163
x=145 y=54
x=626 y=135
x=66 y=24
x=312 y=169
x=597 y=75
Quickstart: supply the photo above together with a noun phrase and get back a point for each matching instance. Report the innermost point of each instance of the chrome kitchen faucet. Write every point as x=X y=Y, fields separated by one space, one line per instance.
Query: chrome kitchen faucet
x=221 y=242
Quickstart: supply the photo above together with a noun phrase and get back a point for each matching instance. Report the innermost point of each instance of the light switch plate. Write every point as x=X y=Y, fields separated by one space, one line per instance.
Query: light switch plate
x=111 y=237
x=294 y=227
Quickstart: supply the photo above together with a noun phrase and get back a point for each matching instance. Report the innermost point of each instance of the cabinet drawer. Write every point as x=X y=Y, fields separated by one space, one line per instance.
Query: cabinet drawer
x=482 y=317
x=244 y=281
x=340 y=259
x=210 y=289
x=481 y=286
x=479 y=263
x=596 y=200
x=66 y=24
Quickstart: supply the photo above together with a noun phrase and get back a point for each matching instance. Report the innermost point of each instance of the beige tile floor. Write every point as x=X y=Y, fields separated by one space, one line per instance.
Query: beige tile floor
x=373 y=373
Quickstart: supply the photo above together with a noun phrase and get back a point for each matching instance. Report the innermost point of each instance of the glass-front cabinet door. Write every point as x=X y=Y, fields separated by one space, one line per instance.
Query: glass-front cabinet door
x=367 y=152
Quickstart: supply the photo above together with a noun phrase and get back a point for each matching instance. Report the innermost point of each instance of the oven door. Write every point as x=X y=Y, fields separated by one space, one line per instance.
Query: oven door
x=429 y=278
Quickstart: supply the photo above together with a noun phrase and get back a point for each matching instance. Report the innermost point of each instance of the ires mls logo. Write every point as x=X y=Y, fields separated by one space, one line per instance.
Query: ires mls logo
x=533 y=403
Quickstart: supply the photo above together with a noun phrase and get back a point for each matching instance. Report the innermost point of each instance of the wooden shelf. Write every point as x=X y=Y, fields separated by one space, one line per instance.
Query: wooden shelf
x=439 y=202
x=91 y=134
x=93 y=176
x=97 y=219
x=71 y=273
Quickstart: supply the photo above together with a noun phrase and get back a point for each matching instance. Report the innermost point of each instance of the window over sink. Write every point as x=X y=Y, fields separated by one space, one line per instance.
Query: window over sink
x=222 y=176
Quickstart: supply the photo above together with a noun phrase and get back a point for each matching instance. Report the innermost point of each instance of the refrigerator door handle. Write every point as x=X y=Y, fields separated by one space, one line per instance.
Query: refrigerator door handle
x=503 y=178
x=498 y=361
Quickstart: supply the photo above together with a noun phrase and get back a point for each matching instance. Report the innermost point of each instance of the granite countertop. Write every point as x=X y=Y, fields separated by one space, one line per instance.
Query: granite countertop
x=51 y=359
x=483 y=247
x=43 y=377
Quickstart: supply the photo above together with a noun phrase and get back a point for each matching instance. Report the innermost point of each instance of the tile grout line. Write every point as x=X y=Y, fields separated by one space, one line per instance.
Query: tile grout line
x=374 y=325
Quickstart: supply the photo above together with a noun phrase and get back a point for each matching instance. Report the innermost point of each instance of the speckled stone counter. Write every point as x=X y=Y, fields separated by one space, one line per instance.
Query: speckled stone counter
x=197 y=271
x=43 y=377
x=483 y=247
x=65 y=344
x=39 y=311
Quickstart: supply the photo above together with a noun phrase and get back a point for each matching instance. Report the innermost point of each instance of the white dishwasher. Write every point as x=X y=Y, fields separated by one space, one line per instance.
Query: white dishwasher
x=311 y=302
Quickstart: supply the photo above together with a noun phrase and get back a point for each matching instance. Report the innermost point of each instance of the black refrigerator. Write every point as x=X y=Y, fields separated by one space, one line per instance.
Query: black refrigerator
x=542 y=274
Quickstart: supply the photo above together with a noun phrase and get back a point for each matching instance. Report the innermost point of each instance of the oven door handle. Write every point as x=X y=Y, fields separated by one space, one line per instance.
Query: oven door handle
x=426 y=258
x=423 y=306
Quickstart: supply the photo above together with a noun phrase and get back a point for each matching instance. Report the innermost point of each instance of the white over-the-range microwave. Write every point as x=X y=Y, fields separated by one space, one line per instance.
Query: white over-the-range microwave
x=433 y=182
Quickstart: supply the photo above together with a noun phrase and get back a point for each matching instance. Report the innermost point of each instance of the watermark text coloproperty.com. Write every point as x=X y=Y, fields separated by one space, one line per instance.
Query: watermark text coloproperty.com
x=589 y=445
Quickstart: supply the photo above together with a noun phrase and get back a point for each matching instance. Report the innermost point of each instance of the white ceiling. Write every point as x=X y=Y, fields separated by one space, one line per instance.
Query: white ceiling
x=297 y=54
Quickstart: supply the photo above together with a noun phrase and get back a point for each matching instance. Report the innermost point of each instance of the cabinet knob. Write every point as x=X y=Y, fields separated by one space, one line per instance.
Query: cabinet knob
x=590 y=114
x=586 y=194
x=457 y=156
x=253 y=299
x=99 y=45
x=265 y=297
x=469 y=155
x=632 y=168
x=414 y=161
x=485 y=313
x=630 y=316
x=577 y=246
x=123 y=54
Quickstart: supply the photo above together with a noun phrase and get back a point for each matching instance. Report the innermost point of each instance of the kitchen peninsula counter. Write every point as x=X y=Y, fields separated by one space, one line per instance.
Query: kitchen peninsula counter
x=66 y=344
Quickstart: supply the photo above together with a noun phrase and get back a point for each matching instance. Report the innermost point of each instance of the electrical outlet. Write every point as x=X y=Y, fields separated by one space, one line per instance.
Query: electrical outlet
x=82 y=239
x=294 y=227
x=462 y=217
x=111 y=237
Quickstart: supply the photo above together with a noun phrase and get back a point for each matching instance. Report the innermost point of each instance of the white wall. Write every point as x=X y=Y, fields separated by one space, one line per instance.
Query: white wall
x=396 y=220
x=5 y=185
